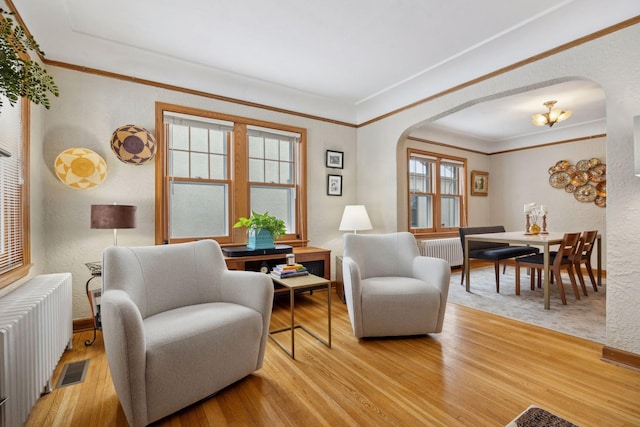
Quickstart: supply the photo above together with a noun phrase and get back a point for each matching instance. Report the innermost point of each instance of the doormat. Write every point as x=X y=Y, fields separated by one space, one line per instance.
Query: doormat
x=73 y=373
x=538 y=417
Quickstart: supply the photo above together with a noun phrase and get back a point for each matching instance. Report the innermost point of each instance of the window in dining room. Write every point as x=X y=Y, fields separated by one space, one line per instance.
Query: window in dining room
x=436 y=192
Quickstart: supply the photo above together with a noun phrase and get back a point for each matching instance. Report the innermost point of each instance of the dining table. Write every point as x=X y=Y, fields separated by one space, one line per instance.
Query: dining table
x=544 y=240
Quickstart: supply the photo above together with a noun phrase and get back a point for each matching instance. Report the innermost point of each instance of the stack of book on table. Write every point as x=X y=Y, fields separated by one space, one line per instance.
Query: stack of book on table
x=282 y=271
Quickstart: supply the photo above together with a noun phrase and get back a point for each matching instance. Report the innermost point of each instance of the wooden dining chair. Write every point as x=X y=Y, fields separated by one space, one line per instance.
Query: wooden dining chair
x=583 y=256
x=563 y=259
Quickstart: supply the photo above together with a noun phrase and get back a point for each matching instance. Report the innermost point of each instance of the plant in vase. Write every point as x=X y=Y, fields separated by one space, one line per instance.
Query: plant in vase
x=262 y=230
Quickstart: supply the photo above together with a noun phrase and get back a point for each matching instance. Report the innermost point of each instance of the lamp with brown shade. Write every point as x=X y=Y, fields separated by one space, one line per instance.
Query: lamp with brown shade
x=113 y=216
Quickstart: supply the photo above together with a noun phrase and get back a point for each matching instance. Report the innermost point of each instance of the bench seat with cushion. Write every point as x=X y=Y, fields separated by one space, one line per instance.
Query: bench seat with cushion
x=492 y=251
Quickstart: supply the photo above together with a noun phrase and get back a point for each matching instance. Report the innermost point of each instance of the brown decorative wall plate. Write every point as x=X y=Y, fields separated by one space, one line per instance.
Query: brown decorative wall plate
x=583 y=165
x=559 y=179
x=585 y=193
x=579 y=178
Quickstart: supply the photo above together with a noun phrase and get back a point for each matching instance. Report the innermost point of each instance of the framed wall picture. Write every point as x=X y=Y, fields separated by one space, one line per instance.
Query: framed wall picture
x=334 y=159
x=334 y=185
x=479 y=183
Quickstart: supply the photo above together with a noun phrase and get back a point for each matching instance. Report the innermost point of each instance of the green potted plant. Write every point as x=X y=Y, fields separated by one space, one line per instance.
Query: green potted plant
x=262 y=230
x=19 y=76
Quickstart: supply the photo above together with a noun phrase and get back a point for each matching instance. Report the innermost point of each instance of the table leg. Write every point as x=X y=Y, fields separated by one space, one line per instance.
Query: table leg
x=599 y=247
x=93 y=314
x=547 y=302
x=466 y=266
x=329 y=311
x=292 y=299
x=292 y=327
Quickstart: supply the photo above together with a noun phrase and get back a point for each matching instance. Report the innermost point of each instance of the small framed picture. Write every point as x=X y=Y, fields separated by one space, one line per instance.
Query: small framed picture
x=334 y=185
x=335 y=159
x=479 y=183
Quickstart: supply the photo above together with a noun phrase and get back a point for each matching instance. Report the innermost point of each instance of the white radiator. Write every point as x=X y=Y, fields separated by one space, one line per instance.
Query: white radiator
x=449 y=250
x=36 y=326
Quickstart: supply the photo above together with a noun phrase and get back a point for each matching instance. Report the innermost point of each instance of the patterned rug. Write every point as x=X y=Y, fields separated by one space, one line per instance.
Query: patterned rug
x=538 y=417
x=584 y=318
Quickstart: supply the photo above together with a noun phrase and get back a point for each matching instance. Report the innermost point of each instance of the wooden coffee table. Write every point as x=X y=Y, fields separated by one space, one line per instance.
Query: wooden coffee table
x=296 y=283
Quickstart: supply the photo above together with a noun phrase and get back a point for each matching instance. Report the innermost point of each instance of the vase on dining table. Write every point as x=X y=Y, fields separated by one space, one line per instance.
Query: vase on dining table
x=534 y=229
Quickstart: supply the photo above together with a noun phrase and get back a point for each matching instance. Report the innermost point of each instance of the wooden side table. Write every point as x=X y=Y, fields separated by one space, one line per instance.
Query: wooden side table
x=340 y=280
x=317 y=261
x=302 y=282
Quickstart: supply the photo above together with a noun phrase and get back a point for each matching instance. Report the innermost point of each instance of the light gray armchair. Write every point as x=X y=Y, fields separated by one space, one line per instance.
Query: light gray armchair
x=178 y=326
x=390 y=289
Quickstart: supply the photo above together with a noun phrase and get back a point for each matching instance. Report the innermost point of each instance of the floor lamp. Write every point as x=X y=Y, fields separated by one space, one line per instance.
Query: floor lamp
x=105 y=217
x=114 y=217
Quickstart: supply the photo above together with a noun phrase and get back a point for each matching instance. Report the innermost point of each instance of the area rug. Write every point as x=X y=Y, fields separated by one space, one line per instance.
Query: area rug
x=538 y=417
x=584 y=318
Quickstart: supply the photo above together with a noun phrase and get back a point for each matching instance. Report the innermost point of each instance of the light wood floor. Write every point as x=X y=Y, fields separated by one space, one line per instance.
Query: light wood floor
x=482 y=370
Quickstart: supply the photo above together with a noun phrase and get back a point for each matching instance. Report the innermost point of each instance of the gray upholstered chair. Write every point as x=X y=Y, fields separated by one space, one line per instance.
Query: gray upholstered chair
x=178 y=326
x=390 y=289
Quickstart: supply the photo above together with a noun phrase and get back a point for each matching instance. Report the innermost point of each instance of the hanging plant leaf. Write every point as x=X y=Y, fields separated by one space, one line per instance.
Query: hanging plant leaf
x=19 y=76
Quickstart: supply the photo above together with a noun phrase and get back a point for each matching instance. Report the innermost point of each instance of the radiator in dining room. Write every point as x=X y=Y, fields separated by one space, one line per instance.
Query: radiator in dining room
x=449 y=249
x=36 y=327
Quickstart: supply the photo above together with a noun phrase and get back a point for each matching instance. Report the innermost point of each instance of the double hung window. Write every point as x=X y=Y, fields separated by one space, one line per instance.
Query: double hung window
x=436 y=196
x=216 y=168
x=272 y=174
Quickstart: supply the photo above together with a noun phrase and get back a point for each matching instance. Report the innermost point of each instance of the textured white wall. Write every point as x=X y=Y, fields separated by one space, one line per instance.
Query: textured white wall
x=88 y=110
x=611 y=61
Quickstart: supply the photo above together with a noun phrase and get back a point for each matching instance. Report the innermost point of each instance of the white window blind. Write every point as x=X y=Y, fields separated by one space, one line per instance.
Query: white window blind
x=11 y=209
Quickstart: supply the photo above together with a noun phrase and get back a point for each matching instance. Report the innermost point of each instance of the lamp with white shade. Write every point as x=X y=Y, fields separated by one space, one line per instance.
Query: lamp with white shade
x=355 y=218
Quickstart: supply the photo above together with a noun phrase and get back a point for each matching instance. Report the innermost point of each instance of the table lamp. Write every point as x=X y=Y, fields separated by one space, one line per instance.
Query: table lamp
x=113 y=216
x=355 y=218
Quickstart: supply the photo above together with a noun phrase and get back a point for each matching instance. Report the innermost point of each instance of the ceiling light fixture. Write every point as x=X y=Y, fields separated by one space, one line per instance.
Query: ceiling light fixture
x=552 y=117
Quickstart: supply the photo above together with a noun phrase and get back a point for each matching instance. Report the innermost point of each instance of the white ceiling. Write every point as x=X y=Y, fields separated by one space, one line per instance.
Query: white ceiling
x=347 y=60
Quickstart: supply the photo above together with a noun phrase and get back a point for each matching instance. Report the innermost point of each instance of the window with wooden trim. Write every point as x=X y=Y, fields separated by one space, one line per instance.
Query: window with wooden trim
x=213 y=168
x=436 y=192
x=14 y=192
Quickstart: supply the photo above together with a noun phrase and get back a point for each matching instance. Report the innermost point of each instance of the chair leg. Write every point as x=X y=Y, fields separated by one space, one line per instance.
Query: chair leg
x=462 y=277
x=539 y=278
x=578 y=272
x=497 y=268
x=560 y=288
x=504 y=269
x=574 y=285
x=593 y=279
x=517 y=278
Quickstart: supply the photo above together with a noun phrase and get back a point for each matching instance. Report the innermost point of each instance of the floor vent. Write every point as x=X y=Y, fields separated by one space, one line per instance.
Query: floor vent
x=73 y=373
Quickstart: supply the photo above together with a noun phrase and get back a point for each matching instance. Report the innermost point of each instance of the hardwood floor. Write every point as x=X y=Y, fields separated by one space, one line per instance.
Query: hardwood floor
x=482 y=370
